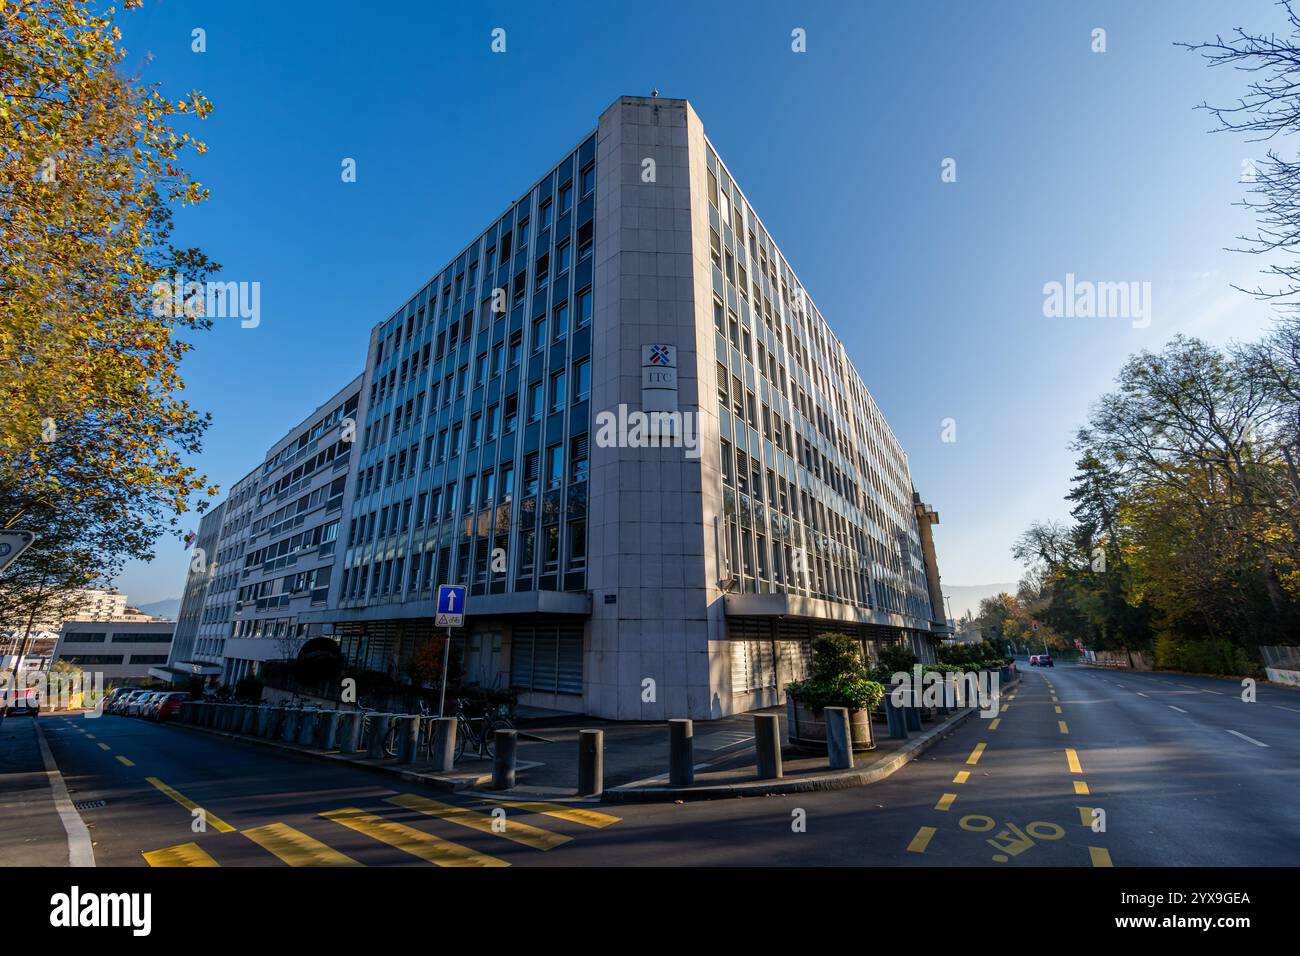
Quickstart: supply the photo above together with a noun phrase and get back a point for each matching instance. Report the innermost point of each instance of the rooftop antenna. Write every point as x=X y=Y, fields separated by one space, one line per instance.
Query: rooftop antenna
x=655 y=91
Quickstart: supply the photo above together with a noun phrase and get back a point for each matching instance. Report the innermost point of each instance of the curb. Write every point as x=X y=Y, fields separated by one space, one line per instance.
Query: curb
x=832 y=780
x=433 y=781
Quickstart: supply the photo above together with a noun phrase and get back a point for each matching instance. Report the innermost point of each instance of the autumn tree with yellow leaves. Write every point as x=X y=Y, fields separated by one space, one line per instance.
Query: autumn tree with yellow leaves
x=94 y=431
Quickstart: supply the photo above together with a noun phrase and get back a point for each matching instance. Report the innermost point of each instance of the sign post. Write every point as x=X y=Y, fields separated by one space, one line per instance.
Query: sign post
x=450 y=613
x=12 y=544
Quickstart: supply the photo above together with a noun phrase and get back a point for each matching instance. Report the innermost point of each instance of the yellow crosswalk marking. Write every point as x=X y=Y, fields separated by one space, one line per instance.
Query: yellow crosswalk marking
x=297 y=848
x=588 y=818
x=1100 y=856
x=946 y=801
x=1004 y=708
x=921 y=840
x=1073 y=758
x=974 y=757
x=214 y=821
x=519 y=832
x=1064 y=728
x=993 y=724
x=1057 y=709
x=126 y=763
x=962 y=776
x=1080 y=789
x=102 y=746
x=427 y=847
x=185 y=854
x=1085 y=816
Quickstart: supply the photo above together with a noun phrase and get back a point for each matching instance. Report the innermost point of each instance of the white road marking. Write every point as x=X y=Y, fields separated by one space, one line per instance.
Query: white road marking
x=1179 y=709
x=1284 y=707
x=80 y=851
x=1250 y=739
x=1140 y=694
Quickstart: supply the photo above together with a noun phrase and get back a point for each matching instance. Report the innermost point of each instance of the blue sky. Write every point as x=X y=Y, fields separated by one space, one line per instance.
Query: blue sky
x=1068 y=161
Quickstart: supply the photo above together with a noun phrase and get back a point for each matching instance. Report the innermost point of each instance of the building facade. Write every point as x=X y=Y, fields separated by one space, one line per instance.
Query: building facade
x=618 y=418
x=120 y=650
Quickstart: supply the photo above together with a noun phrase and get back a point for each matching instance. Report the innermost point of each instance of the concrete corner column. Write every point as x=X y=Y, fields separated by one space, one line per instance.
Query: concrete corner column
x=503 y=759
x=443 y=750
x=681 y=752
x=591 y=763
x=839 y=738
x=767 y=746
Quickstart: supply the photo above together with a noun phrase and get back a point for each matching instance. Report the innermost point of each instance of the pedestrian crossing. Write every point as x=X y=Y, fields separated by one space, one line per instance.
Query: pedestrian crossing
x=293 y=847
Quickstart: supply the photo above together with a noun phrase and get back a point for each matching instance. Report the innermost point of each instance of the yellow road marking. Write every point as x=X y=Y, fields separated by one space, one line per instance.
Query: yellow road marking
x=974 y=757
x=1058 y=710
x=1011 y=697
x=1004 y=708
x=430 y=848
x=1061 y=724
x=993 y=724
x=103 y=746
x=519 y=832
x=1080 y=789
x=1100 y=856
x=89 y=736
x=946 y=801
x=962 y=776
x=124 y=761
x=1073 y=757
x=214 y=821
x=588 y=818
x=185 y=854
x=921 y=840
x=1085 y=816
x=297 y=848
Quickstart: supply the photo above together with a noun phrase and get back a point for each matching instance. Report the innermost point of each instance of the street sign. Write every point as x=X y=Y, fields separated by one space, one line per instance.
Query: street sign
x=12 y=544
x=451 y=606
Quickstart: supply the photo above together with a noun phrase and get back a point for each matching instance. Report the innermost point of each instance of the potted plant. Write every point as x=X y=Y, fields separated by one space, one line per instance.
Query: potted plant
x=839 y=677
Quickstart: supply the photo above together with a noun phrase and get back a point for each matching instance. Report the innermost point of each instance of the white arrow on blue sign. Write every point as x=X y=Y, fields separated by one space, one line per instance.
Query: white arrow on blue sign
x=451 y=606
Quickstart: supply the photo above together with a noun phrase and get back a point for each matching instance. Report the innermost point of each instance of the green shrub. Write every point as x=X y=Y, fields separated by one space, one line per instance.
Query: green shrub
x=897 y=657
x=838 y=677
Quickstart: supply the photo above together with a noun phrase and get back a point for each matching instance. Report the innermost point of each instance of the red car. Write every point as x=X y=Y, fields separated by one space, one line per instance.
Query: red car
x=170 y=705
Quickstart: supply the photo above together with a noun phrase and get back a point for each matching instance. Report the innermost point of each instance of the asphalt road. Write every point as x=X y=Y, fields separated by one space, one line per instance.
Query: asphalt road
x=1187 y=774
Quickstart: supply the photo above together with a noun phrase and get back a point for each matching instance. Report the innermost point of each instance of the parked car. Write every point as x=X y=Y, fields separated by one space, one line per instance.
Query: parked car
x=115 y=696
x=20 y=700
x=150 y=705
x=135 y=702
x=170 y=705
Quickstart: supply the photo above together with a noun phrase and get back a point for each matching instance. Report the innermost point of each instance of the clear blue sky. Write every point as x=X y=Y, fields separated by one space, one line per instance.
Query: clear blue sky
x=1067 y=161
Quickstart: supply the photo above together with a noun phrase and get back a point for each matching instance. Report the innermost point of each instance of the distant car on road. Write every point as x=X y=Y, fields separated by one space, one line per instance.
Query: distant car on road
x=1041 y=660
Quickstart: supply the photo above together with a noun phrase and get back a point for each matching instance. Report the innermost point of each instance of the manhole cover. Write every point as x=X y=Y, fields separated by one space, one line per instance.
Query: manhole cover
x=90 y=804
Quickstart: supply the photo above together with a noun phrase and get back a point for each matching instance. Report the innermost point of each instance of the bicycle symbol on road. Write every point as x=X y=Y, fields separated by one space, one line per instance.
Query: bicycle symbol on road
x=1012 y=841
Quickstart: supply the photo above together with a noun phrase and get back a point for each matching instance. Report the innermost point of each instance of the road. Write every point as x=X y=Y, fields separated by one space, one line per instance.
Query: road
x=1187 y=774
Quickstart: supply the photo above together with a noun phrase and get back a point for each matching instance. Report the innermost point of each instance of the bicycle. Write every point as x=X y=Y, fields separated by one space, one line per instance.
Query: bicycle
x=424 y=737
x=483 y=736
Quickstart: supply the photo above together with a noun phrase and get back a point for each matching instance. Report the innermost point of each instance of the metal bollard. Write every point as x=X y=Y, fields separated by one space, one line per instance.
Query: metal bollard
x=276 y=725
x=349 y=739
x=767 y=746
x=408 y=737
x=443 y=751
x=249 y=725
x=207 y=715
x=307 y=727
x=591 y=763
x=896 y=719
x=261 y=727
x=226 y=717
x=289 y=729
x=503 y=760
x=327 y=729
x=839 y=738
x=378 y=731
x=681 y=752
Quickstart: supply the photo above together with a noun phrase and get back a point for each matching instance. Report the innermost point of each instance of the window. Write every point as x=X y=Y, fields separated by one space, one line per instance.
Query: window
x=561 y=320
x=554 y=466
x=530 y=474
x=535 y=401
x=582 y=381
x=516 y=348
x=578 y=459
x=545 y=214
x=584 y=242
x=558 y=395
x=566 y=197
x=584 y=309
x=551 y=548
x=562 y=254
x=577 y=535
x=512 y=413
x=539 y=333
x=588 y=179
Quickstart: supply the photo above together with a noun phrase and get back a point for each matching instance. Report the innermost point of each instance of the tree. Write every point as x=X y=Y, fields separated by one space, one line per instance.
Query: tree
x=94 y=430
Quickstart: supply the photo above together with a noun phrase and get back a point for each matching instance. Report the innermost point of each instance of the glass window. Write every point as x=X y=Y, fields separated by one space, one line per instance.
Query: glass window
x=554 y=466
x=582 y=381
x=584 y=309
x=558 y=395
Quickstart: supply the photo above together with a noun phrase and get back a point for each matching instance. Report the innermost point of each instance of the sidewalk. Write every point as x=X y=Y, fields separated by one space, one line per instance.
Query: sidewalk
x=636 y=760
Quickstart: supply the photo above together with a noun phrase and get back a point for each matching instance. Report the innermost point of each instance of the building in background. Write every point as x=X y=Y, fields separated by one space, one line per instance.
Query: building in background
x=86 y=604
x=183 y=662
x=621 y=565
x=120 y=650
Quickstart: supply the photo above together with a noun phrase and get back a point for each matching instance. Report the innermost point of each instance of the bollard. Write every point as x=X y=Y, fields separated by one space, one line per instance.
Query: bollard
x=349 y=739
x=839 y=738
x=895 y=717
x=327 y=729
x=289 y=728
x=261 y=728
x=224 y=716
x=408 y=737
x=443 y=751
x=249 y=725
x=591 y=763
x=187 y=712
x=205 y=714
x=791 y=721
x=378 y=731
x=767 y=745
x=913 y=715
x=681 y=752
x=276 y=724
x=307 y=727
x=503 y=760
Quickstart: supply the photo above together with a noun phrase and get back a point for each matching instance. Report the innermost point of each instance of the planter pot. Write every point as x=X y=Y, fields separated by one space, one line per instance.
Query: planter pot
x=807 y=729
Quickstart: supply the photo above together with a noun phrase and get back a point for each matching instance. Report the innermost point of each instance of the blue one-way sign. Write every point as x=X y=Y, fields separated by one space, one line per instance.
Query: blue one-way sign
x=451 y=606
